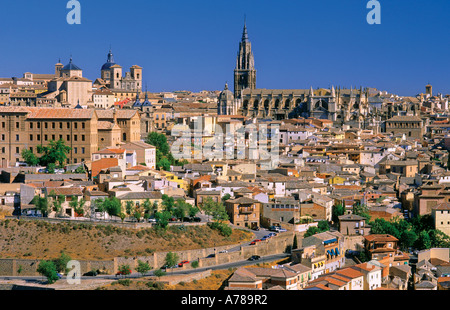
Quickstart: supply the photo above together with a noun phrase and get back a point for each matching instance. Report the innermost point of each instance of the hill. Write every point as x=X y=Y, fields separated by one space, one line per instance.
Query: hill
x=43 y=240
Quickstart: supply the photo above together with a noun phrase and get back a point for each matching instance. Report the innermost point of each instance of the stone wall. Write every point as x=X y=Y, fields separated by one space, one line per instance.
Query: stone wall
x=274 y=245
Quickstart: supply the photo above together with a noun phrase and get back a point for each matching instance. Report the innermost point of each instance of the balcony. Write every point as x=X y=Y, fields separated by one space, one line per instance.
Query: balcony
x=246 y=210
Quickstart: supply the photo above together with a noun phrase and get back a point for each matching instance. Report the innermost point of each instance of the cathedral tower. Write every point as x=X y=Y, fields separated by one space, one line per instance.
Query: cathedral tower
x=245 y=73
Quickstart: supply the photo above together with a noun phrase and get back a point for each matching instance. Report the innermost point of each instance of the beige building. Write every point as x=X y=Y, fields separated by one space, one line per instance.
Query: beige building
x=69 y=86
x=103 y=99
x=145 y=153
x=441 y=217
x=27 y=127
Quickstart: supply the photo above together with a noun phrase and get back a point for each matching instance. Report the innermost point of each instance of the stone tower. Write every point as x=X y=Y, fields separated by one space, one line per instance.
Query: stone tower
x=245 y=73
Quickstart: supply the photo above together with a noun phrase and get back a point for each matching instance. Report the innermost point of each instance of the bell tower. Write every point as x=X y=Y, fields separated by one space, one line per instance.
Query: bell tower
x=245 y=72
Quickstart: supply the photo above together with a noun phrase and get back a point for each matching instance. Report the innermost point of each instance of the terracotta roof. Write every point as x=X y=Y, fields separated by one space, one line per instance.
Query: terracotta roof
x=66 y=191
x=350 y=273
x=380 y=238
x=120 y=114
x=103 y=163
x=110 y=151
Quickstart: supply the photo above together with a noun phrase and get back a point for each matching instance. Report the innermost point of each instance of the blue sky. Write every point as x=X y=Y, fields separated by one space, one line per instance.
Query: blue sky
x=192 y=45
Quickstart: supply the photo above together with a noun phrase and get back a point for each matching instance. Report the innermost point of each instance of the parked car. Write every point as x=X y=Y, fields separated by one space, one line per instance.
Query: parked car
x=274 y=228
x=152 y=220
x=282 y=230
x=256 y=228
x=254 y=257
x=255 y=241
x=272 y=234
x=183 y=263
x=223 y=251
x=197 y=219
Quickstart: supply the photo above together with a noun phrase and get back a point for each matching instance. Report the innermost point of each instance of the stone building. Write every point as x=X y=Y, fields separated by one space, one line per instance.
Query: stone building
x=81 y=129
x=69 y=87
x=410 y=126
x=113 y=78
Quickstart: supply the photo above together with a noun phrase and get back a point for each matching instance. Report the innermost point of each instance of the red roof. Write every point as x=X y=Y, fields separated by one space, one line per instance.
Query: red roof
x=103 y=163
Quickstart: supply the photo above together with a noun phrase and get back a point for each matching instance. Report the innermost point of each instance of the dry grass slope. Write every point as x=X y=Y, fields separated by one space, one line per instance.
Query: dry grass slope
x=43 y=240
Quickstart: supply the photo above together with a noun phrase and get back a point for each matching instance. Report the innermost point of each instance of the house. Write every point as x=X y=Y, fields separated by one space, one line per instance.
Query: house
x=322 y=252
x=145 y=153
x=441 y=217
x=117 y=153
x=352 y=224
x=372 y=275
x=380 y=246
x=244 y=212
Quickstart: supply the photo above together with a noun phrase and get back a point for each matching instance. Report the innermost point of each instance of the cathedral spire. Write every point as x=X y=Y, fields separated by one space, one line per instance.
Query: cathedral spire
x=244 y=32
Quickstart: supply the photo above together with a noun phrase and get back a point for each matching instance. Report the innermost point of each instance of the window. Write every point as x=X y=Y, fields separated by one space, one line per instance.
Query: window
x=31 y=137
x=68 y=137
x=83 y=138
x=75 y=150
x=83 y=150
x=31 y=125
x=17 y=138
x=75 y=138
x=17 y=150
x=17 y=125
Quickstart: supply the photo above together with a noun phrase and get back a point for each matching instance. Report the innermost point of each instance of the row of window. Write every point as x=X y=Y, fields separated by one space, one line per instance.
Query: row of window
x=47 y=125
x=46 y=137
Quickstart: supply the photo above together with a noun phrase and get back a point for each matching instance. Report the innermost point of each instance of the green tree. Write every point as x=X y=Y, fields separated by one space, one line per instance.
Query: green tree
x=423 y=241
x=163 y=218
x=48 y=270
x=112 y=206
x=193 y=210
x=124 y=270
x=41 y=204
x=215 y=209
x=54 y=153
x=337 y=211
x=295 y=243
x=171 y=259
x=226 y=197
x=129 y=206
x=323 y=226
x=181 y=208
x=361 y=210
x=30 y=158
x=143 y=267
x=168 y=203
x=312 y=230
x=61 y=263
x=159 y=273
x=407 y=238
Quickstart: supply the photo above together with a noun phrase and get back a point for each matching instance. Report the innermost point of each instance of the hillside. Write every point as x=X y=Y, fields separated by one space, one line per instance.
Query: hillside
x=43 y=240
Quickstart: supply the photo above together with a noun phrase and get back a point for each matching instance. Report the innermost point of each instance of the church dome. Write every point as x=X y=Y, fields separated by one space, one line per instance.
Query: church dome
x=71 y=66
x=226 y=94
x=109 y=62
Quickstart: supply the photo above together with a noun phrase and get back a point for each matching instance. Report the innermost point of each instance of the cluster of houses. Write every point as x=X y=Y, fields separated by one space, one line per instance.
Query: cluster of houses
x=320 y=263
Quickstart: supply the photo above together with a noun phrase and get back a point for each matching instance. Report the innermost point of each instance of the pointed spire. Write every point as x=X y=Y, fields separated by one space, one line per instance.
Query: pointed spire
x=244 y=32
x=311 y=92
x=333 y=92
x=110 y=57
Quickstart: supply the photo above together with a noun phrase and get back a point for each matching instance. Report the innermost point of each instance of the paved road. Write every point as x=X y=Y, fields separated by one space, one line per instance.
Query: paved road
x=174 y=271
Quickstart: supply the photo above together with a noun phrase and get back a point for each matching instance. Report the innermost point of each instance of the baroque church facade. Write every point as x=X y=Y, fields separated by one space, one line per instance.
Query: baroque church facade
x=334 y=104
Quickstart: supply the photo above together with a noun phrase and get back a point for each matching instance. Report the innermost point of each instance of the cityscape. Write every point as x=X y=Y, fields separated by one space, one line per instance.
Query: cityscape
x=108 y=186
